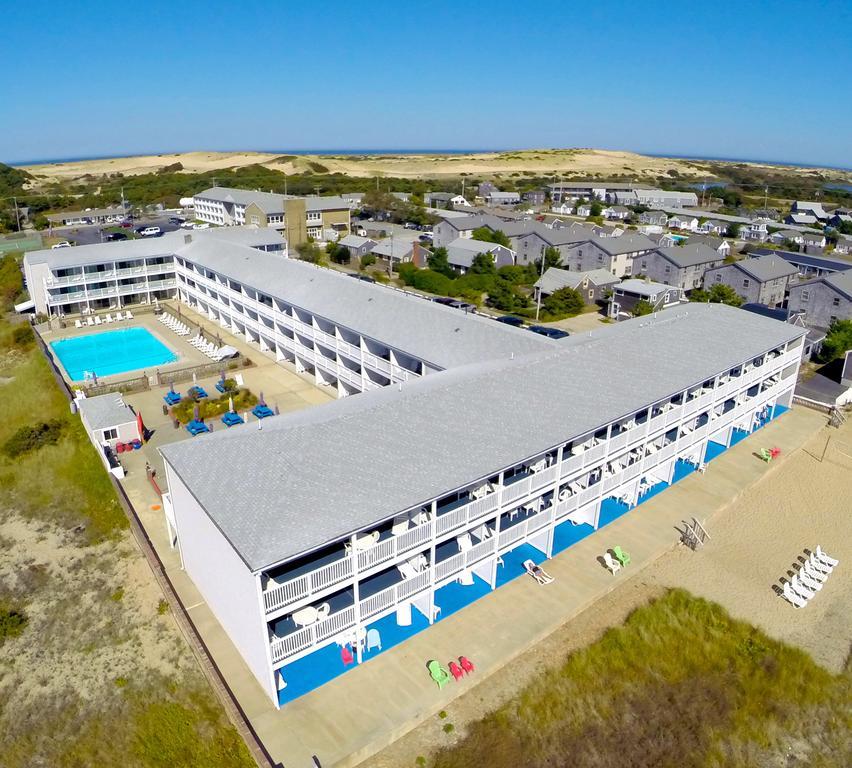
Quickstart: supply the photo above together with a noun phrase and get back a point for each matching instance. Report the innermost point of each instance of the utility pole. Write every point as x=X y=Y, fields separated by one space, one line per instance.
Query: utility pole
x=17 y=213
x=538 y=294
x=765 y=195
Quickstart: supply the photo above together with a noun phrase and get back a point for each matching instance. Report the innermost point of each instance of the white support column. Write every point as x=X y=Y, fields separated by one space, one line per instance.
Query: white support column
x=433 y=522
x=497 y=529
x=356 y=595
x=551 y=529
x=273 y=687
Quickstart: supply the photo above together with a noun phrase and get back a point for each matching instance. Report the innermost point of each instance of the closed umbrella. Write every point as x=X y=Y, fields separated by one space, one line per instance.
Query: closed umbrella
x=277 y=412
x=140 y=426
x=172 y=387
x=231 y=404
x=260 y=399
x=194 y=377
x=196 y=413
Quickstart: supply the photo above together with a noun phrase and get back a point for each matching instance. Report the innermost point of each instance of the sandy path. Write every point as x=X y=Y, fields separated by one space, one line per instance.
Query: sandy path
x=802 y=502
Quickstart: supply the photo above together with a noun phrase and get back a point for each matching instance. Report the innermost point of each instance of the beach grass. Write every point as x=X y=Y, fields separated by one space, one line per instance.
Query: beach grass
x=72 y=621
x=681 y=683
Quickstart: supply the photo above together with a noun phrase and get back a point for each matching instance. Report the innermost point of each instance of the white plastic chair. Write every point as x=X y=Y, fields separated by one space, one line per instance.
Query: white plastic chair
x=611 y=564
x=128 y=315
x=793 y=598
x=98 y=320
x=800 y=589
x=374 y=639
x=78 y=323
x=108 y=318
x=814 y=573
x=824 y=558
x=810 y=583
x=818 y=565
x=323 y=610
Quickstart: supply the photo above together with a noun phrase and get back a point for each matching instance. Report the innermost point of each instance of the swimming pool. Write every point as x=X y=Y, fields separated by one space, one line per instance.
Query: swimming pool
x=678 y=238
x=111 y=352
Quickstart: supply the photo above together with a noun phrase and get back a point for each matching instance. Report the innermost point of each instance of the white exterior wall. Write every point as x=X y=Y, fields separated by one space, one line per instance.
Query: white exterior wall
x=230 y=589
x=607 y=457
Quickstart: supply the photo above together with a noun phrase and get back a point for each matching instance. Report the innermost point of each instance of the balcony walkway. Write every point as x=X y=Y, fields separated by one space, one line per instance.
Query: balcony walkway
x=360 y=712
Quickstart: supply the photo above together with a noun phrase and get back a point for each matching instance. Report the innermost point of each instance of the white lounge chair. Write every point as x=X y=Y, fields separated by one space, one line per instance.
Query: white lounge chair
x=793 y=598
x=108 y=318
x=323 y=610
x=814 y=573
x=613 y=565
x=90 y=321
x=810 y=583
x=800 y=589
x=119 y=317
x=818 y=565
x=824 y=558
x=238 y=377
x=364 y=542
x=128 y=315
x=78 y=323
x=98 y=320
x=537 y=572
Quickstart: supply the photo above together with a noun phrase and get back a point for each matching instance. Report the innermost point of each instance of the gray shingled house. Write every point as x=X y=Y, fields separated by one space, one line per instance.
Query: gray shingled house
x=761 y=280
x=680 y=265
x=823 y=299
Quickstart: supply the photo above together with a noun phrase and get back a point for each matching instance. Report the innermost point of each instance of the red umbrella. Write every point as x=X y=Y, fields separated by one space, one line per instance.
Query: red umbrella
x=140 y=426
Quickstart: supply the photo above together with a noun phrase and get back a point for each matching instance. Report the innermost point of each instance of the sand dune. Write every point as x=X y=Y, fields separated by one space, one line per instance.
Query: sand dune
x=565 y=163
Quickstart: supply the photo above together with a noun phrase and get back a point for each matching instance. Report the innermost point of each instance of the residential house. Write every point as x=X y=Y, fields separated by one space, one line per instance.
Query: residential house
x=654 y=218
x=618 y=212
x=615 y=254
x=759 y=280
x=684 y=221
x=810 y=208
x=823 y=299
x=461 y=253
x=354 y=199
x=403 y=197
x=89 y=216
x=800 y=219
x=840 y=216
x=756 y=230
x=654 y=198
x=108 y=420
x=594 y=286
x=444 y=200
x=713 y=227
x=534 y=197
x=496 y=197
x=661 y=239
x=394 y=250
x=718 y=244
x=681 y=265
x=531 y=244
x=485 y=189
x=357 y=246
x=564 y=208
x=628 y=293
x=843 y=244
x=814 y=242
x=783 y=236
x=584 y=210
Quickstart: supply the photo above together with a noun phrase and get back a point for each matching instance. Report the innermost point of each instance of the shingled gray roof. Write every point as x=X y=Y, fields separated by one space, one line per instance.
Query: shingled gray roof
x=106 y=411
x=764 y=268
x=306 y=480
x=689 y=255
x=443 y=336
x=555 y=278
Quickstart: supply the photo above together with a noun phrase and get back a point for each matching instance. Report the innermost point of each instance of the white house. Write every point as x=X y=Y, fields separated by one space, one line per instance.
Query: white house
x=683 y=221
x=108 y=421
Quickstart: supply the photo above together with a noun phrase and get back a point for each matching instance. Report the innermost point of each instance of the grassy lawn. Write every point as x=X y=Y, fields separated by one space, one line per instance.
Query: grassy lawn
x=680 y=684
x=93 y=670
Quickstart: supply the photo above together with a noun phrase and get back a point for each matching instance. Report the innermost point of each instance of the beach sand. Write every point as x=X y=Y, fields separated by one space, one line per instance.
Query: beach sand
x=802 y=502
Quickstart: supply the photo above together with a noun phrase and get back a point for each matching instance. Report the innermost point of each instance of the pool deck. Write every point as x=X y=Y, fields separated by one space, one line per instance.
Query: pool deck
x=358 y=713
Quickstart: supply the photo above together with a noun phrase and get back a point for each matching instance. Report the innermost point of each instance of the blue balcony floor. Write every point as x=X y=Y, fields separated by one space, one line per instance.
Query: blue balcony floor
x=324 y=664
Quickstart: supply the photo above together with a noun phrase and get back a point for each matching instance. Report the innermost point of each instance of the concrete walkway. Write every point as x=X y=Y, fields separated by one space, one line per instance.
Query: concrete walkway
x=352 y=717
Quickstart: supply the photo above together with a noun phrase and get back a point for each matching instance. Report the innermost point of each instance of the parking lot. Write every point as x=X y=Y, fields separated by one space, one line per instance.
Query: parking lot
x=97 y=233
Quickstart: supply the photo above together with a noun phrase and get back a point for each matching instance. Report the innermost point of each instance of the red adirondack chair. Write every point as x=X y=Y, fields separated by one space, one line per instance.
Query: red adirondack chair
x=466 y=664
x=346 y=656
x=456 y=671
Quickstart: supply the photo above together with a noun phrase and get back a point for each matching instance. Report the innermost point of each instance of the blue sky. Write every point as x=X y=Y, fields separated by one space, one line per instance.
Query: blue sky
x=746 y=79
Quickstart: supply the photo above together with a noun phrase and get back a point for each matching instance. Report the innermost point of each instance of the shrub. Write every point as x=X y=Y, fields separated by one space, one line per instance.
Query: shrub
x=27 y=439
x=12 y=622
x=367 y=260
x=118 y=595
x=163 y=607
x=23 y=336
x=208 y=408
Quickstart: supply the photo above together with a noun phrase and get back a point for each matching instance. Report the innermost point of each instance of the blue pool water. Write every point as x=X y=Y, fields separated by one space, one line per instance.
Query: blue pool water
x=111 y=352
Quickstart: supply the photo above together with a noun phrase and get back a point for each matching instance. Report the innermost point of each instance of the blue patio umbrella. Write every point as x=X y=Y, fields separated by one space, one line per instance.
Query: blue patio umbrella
x=195 y=413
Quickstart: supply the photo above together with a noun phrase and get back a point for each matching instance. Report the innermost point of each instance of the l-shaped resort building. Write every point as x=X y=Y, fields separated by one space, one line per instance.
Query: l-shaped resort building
x=458 y=446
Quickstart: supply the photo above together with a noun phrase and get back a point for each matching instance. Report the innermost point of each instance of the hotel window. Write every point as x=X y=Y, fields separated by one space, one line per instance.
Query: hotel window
x=745 y=283
x=836 y=302
x=805 y=296
x=255 y=219
x=718 y=277
x=110 y=434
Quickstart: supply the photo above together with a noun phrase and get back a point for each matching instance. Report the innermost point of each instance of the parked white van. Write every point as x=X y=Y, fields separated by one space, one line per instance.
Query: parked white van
x=150 y=232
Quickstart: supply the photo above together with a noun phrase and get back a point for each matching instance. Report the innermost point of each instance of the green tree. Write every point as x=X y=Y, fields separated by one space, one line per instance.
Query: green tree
x=595 y=208
x=552 y=258
x=719 y=293
x=483 y=264
x=367 y=260
x=339 y=254
x=489 y=235
x=565 y=302
x=438 y=262
x=507 y=298
x=310 y=251
x=733 y=229
x=642 y=307
x=838 y=340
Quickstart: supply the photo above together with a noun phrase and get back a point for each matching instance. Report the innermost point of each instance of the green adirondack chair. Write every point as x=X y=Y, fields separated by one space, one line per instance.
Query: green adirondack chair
x=765 y=455
x=621 y=555
x=438 y=673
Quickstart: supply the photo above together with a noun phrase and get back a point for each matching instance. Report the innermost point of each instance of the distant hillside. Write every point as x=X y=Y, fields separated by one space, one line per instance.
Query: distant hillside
x=12 y=180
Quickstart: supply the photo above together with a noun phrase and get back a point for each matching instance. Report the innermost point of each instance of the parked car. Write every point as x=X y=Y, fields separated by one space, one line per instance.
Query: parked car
x=426 y=237
x=149 y=231
x=113 y=236
x=127 y=223
x=176 y=220
x=511 y=320
x=364 y=278
x=446 y=301
x=465 y=305
x=62 y=244
x=188 y=225
x=551 y=333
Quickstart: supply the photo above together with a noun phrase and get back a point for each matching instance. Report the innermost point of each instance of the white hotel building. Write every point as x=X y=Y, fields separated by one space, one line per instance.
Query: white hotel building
x=376 y=512
x=104 y=276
